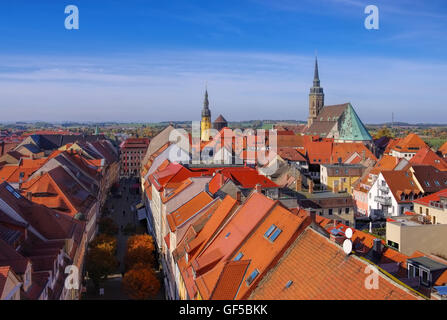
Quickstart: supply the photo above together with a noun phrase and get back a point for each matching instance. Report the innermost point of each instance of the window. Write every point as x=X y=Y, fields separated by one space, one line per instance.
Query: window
x=275 y=234
x=393 y=244
x=427 y=183
x=330 y=212
x=272 y=233
x=424 y=277
x=227 y=235
x=252 y=277
x=347 y=210
x=239 y=256
x=289 y=283
x=269 y=231
x=437 y=183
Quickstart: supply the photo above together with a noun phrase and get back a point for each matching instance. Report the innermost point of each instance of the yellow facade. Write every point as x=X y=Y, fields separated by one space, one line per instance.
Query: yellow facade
x=336 y=184
x=205 y=126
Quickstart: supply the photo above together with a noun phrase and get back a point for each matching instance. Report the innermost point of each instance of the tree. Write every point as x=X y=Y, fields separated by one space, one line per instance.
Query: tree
x=105 y=242
x=383 y=132
x=141 y=282
x=108 y=226
x=99 y=264
x=140 y=249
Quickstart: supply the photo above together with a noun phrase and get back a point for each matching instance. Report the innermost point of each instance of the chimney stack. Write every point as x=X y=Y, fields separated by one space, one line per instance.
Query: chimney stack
x=377 y=248
x=298 y=183
x=311 y=185
x=238 y=197
x=312 y=215
x=258 y=188
x=29 y=195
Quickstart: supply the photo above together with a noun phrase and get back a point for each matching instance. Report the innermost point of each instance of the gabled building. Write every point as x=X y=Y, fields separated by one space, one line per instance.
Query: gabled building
x=406 y=147
x=393 y=193
x=428 y=157
x=37 y=243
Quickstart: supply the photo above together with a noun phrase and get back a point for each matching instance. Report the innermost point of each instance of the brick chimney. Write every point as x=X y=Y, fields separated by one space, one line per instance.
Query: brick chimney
x=298 y=183
x=238 y=197
x=311 y=185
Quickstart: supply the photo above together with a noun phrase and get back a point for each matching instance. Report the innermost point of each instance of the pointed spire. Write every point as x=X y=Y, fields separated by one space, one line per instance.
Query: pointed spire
x=206 y=111
x=206 y=102
x=316 y=76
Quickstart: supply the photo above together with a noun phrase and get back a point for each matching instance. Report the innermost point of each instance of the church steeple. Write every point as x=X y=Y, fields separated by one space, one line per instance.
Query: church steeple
x=205 y=123
x=316 y=97
x=206 y=111
x=316 y=76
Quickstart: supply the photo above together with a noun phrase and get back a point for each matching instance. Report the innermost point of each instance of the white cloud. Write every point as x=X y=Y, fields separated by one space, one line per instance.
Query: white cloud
x=161 y=86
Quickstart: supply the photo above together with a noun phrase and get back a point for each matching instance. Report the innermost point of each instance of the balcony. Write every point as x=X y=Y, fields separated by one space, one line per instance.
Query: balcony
x=384 y=201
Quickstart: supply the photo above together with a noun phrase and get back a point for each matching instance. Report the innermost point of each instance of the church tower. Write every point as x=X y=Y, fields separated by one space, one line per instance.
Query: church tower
x=205 y=123
x=316 y=97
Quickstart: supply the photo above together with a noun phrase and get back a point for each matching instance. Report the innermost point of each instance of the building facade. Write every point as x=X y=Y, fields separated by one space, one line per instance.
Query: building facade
x=132 y=153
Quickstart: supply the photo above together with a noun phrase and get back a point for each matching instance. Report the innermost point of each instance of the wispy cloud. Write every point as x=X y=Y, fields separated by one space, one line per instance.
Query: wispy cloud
x=243 y=85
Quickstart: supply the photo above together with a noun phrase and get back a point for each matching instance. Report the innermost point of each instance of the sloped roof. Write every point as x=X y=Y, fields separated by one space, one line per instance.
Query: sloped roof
x=352 y=128
x=400 y=182
x=220 y=119
x=317 y=268
x=229 y=280
x=157 y=142
x=443 y=149
x=186 y=211
x=427 y=157
x=411 y=143
x=10 y=257
x=430 y=178
x=432 y=197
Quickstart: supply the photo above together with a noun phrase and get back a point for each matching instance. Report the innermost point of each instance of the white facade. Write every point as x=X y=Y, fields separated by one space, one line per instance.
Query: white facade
x=382 y=199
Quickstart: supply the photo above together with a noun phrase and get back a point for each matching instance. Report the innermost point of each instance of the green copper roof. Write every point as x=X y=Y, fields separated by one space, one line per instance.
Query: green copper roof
x=351 y=127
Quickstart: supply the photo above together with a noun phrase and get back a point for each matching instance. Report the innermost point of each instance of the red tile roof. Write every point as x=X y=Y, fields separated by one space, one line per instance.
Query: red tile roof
x=411 y=143
x=186 y=211
x=426 y=156
x=229 y=280
x=317 y=268
x=435 y=197
x=400 y=182
x=443 y=149
x=245 y=177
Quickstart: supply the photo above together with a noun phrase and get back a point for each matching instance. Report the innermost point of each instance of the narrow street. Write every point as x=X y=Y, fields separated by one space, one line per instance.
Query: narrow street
x=122 y=211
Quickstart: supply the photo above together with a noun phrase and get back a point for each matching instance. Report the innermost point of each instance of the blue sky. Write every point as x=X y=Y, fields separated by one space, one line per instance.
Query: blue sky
x=141 y=60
